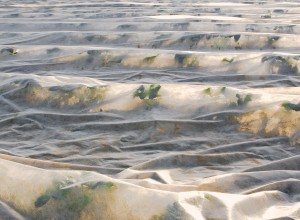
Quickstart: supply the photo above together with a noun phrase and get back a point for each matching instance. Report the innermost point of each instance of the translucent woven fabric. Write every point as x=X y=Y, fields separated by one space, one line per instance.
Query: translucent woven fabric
x=149 y=110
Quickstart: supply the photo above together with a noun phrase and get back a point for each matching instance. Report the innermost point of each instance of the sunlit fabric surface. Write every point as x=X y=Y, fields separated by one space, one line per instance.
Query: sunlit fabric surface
x=149 y=110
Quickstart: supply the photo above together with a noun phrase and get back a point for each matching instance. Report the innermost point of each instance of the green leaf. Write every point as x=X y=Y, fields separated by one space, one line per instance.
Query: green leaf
x=11 y=50
x=182 y=59
x=247 y=99
x=223 y=89
x=236 y=37
x=150 y=93
x=140 y=92
x=78 y=203
x=291 y=106
x=60 y=193
x=228 y=60
x=239 y=99
x=243 y=101
x=286 y=105
x=272 y=39
x=149 y=60
x=42 y=200
x=153 y=91
x=102 y=184
x=207 y=91
x=109 y=184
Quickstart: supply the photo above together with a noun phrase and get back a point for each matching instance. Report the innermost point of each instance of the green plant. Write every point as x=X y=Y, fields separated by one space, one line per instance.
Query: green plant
x=75 y=197
x=272 y=39
x=153 y=91
x=140 y=92
x=67 y=200
x=194 y=39
x=102 y=184
x=186 y=60
x=207 y=91
x=228 y=60
x=284 y=65
x=237 y=37
x=174 y=212
x=149 y=60
x=42 y=200
x=10 y=50
x=223 y=89
x=241 y=101
x=291 y=106
x=272 y=58
x=150 y=93
x=57 y=193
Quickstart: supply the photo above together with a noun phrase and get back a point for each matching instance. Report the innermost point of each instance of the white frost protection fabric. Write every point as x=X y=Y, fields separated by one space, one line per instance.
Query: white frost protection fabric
x=149 y=110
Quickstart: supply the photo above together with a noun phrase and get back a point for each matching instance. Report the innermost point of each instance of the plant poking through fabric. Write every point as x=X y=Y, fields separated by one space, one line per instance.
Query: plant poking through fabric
x=42 y=200
x=237 y=37
x=223 y=89
x=291 y=106
x=241 y=101
x=272 y=39
x=228 y=60
x=153 y=91
x=64 y=193
x=214 y=92
x=207 y=91
x=75 y=198
x=186 y=60
x=140 y=92
x=10 y=50
x=149 y=60
x=284 y=65
x=150 y=93
x=173 y=211
x=108 y=185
